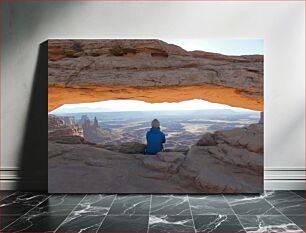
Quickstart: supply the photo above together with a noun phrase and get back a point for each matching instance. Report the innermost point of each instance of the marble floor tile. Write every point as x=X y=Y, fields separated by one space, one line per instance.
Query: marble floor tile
x=58 y=205
x=130 y=204
x=209 y=205
x=217 y=223
x=299 y=220
x=35 y=223
x=177 y=223
x=301 y=193
x=5 y=194
x=234 y=197
x=21 y=202
x=62 y=210
x=276 y=195
x=280 y=211
x=49 y=213
x=95 y=204
x=286 y=202
x=87 y=216
x=81 y=223
x=266 y=223
x=7 y=220
x=65 y=199
x=170 y=205
x=250 y=205
x=125 y=223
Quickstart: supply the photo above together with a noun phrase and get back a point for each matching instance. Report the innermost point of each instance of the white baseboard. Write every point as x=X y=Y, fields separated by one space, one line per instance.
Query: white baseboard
x=275 y=178
x=284 y=185
x=284 y=178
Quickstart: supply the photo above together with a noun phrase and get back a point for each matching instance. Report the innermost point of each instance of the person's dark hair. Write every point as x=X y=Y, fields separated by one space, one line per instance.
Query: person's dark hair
x=155 y=123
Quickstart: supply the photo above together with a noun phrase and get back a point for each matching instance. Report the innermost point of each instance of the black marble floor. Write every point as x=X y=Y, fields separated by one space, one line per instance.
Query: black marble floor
x=280 y=211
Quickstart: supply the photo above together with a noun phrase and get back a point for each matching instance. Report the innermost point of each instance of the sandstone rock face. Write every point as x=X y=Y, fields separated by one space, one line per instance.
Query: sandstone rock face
x=150 y=70
x=152 y=162
x=64 y=130
x=75 y=139
x=55 y=122
x=180 y=148
x=125 y=148
x=250 y=137
x=168 y=162
x=87 y=168
x=92 y=131
x=227 y=161
x=84 y=122
x=96 y=124
x=216 y=164
x=132 y=148
x=207 y=140
x=56 y=149
x=171 y=157
x=69 y=120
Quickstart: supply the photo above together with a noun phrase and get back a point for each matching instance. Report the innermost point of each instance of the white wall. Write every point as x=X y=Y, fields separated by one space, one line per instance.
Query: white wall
x=281 y=24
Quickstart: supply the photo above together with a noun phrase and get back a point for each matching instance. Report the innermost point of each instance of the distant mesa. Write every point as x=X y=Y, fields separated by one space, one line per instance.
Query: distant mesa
x=150 y=70
x=84 y=122
x=96 y=124
x=68 y=120
x=64 y=130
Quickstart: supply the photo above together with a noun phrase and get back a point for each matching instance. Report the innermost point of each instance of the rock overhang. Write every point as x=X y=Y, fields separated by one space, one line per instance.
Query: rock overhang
x=150 y=70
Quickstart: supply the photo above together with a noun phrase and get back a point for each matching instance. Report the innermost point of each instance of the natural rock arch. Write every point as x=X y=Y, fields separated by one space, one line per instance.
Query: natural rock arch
x=152 y=71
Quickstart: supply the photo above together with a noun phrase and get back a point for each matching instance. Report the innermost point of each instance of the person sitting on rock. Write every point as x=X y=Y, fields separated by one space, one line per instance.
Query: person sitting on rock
x=155 y=138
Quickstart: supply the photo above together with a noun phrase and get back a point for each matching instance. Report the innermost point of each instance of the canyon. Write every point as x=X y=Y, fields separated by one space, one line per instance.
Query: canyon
x=225 y=161
x=221 y=160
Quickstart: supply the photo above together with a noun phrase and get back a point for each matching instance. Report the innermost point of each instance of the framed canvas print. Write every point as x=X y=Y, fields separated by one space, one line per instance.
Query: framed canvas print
x=155 y=116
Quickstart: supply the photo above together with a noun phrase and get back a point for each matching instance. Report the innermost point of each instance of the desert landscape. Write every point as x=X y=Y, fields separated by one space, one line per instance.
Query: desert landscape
x=207 y=151
x=88 y=151
x=182 y=128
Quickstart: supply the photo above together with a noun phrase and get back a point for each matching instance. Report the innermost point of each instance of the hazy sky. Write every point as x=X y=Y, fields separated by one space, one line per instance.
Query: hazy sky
x=224 y=46
x=135 y=105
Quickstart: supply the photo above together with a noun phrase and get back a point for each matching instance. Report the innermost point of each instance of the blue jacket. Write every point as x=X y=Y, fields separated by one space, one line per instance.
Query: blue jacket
x=155 y=140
